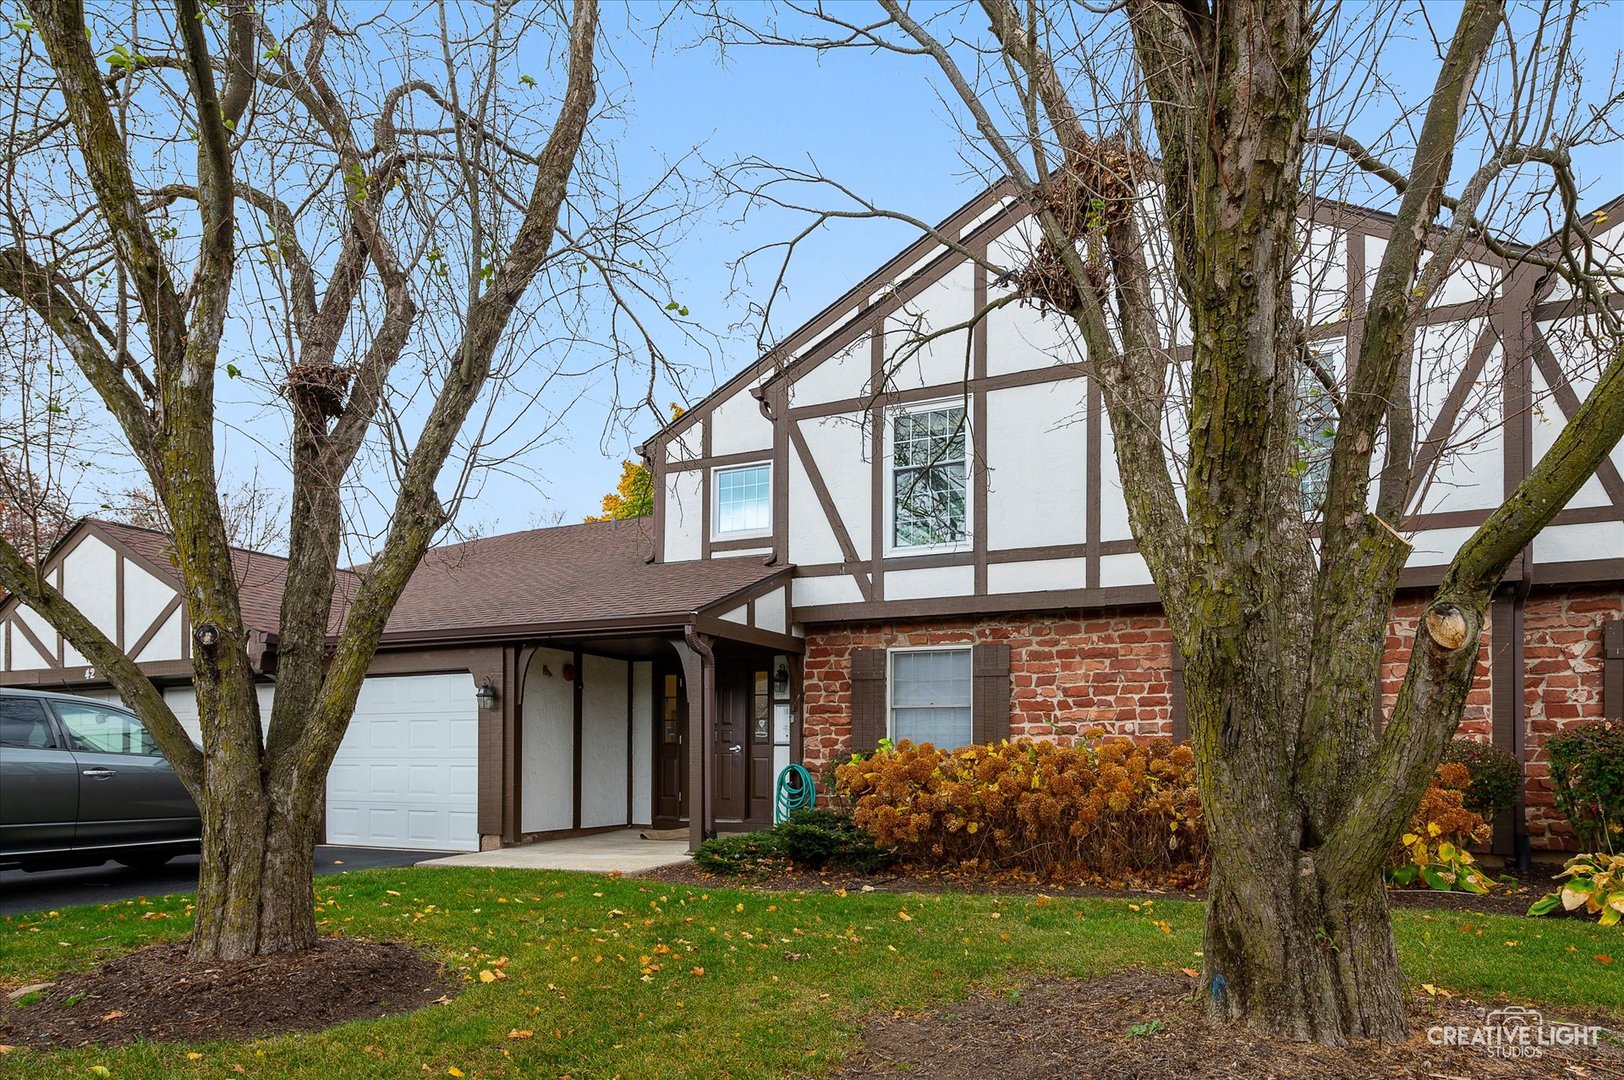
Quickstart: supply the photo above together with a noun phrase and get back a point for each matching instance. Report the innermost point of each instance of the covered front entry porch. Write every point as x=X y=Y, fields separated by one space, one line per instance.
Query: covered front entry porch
x=665 y=727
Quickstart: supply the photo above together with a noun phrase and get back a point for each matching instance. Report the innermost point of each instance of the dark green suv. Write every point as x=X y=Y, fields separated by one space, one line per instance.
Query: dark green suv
x=82 y=782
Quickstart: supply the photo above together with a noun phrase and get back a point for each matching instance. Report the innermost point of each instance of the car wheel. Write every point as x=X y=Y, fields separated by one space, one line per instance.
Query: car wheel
x=144 y=860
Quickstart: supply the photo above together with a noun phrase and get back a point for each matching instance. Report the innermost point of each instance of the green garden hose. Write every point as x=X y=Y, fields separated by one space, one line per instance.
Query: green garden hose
x=795 y=792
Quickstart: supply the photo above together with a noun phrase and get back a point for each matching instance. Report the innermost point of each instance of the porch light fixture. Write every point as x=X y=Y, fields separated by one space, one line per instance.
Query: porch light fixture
x=780 y=677
x=486 y=696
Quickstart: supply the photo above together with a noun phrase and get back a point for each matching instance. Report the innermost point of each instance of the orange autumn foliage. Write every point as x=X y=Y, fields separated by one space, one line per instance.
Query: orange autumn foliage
x=1106 y=807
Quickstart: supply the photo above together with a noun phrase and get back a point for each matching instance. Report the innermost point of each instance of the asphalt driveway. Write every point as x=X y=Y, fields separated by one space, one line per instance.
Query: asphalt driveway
x=21 y=893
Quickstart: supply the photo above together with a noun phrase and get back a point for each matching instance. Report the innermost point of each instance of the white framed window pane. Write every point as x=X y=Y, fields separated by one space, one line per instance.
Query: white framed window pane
x=945 y=729
x=929 y=475
x=930 y=697
x=1316 y=430
x=744 y=499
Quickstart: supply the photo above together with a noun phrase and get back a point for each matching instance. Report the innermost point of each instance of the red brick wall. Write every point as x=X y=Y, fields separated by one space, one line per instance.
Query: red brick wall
x=1562 y=672
x=1111 y=670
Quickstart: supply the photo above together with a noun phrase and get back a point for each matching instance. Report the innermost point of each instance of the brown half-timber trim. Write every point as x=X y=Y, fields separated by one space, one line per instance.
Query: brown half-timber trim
x=1093 y=496
x=157 y=625
x=980 y=383
x=748 y=635
x=837 y=523
x=777 y=400
x=1503 y=698
x=978 y=428
x=631 y=734
x=878 y=486
x=1175 y=697
x=723 y=461
x=75 y=677
x=764 y=542
x=992 y=604
x=1443 y=426
x=1568 y=401
x=34 y=642
x=579 y=703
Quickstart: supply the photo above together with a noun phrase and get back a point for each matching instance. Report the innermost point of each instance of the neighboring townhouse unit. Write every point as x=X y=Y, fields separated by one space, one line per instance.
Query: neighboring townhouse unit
x=892 y=525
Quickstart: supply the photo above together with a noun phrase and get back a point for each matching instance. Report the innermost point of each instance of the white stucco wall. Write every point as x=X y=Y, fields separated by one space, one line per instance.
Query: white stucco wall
x=547 y=746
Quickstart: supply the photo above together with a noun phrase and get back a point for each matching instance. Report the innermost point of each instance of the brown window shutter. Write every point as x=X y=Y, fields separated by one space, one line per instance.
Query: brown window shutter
x=1612 y=677
x=1175 y=697
x=868 y=724
x=989 y=715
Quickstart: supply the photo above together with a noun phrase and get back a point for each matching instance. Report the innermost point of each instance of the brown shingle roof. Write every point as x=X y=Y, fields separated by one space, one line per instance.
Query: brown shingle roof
x=260 y=577
x=565 y=576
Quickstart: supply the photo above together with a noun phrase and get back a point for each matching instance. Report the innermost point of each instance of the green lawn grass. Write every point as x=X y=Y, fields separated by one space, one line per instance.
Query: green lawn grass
x=747 y=984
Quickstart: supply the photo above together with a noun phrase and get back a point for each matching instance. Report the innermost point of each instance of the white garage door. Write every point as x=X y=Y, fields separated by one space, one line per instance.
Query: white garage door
x=407 y=773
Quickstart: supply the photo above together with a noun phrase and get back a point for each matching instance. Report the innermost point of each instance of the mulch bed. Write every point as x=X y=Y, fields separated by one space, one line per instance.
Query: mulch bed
x=1510 y=898
x=161 y=994
x=1145 y=1025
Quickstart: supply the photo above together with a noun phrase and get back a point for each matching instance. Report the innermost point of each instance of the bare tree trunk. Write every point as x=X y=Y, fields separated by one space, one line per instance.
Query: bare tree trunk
x=253 y=890
x=261 y=796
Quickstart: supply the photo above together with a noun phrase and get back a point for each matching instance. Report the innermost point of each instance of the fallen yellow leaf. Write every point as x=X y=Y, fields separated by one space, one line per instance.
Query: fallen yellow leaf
x=193 y=1055
x=1191 y=972
x=698 y=971
x=453 y=1071
x=517 y=1034
x=487 y=976
x=101 y=1070
x=904 y=916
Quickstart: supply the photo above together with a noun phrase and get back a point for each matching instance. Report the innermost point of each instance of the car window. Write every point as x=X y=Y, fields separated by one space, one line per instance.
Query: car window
x=93 y=727
x=23 y=723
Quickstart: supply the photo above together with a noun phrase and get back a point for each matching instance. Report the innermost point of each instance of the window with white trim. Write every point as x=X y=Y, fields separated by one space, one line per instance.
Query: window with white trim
x=929 y=473
x=743 y=501
x=1316 y=424
x=931 y=697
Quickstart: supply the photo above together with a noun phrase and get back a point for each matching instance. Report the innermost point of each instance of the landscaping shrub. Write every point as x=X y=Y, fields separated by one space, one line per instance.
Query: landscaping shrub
x=1587 y=775
x=1108 y=807
x=1495 y=776
x=1432 y=854
x=742 y=855
x=1595 y=883
x=828 y=839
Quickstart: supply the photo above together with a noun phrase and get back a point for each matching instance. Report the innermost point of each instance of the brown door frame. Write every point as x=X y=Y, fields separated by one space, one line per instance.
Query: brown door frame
x=661 y=670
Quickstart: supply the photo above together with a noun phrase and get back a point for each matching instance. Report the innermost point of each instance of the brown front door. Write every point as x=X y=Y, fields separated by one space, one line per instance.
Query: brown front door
x=743 y=750
x=729 y=758
x=670 y=748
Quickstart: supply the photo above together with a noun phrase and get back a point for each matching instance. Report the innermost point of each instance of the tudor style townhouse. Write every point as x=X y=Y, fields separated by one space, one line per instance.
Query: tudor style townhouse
x=888 y=527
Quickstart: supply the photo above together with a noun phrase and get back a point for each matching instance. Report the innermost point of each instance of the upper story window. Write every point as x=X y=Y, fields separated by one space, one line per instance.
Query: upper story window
x=1316 y=425
x=929 y=470
x=930 y=697
x=743 y=501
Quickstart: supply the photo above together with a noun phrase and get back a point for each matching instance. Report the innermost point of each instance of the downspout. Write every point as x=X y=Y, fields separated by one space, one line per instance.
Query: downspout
x=707 y=726
x=1519 y=716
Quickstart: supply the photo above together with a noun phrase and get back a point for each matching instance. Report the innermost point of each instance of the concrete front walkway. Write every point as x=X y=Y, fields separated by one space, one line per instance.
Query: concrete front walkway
x=601 y=853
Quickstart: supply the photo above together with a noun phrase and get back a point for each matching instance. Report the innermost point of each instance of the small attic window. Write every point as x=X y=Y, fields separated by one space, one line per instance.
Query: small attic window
x=742 y=503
